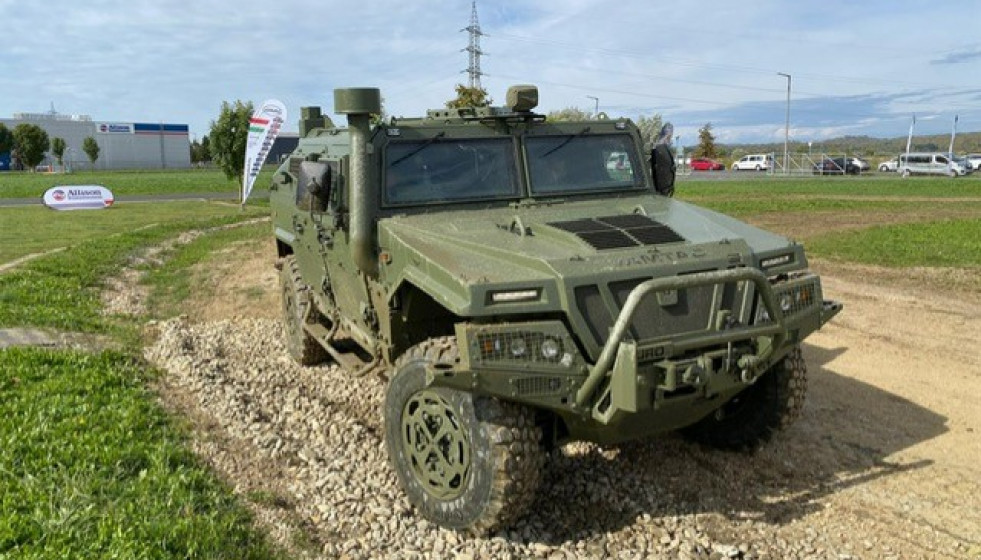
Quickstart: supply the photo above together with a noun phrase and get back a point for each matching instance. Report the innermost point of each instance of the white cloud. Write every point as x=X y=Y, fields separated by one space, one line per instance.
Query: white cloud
x=710 y=61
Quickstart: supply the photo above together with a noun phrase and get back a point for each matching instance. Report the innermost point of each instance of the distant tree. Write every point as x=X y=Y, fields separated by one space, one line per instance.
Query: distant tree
x=31 y=141
x=649 y=127
x=706 y=143
x=6 y=139
x=379 y=118
x=91 y=149
x=569 y=114
x=199 y=150
x=229 y=136
x=469 y=97
x=58 y=147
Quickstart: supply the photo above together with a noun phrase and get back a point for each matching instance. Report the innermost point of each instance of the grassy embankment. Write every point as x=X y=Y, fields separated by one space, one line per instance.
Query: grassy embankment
x=91 y=465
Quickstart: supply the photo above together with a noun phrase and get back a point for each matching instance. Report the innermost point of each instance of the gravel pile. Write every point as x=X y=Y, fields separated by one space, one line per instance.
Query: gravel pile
x=305 y=446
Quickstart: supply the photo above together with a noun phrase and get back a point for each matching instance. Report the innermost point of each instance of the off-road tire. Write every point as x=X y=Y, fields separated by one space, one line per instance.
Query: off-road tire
x=503 y=451
x=296 y=300
x=773 y=403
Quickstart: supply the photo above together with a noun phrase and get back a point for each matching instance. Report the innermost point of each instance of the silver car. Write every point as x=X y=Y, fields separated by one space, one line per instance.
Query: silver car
x=889 y=165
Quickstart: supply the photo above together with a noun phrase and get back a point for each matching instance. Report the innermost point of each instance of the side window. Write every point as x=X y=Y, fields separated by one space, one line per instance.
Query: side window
x=942 y=159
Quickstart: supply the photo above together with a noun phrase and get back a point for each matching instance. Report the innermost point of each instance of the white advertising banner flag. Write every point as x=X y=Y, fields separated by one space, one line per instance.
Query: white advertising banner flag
x=264 y=126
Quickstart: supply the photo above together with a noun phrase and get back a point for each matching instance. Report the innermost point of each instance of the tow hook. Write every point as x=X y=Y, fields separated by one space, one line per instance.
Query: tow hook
x=750 y=365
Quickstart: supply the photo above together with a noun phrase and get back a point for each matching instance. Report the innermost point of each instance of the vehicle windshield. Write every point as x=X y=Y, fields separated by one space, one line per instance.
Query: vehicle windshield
x=582 y=162
x=450 y=170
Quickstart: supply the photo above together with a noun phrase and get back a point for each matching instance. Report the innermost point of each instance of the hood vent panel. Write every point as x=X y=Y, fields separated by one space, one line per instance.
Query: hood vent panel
x=617 y=232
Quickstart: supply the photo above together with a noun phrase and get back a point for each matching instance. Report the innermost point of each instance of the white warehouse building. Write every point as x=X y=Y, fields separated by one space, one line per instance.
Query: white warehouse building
x=122 y=145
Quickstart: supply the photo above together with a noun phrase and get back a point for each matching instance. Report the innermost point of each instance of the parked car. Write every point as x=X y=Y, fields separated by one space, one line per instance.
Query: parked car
x=975 y=160
x=889 y=165
x=965 y=162
x=706 y=164
x=925 y=163
x=862 y=164
x=837 y=166
x=754 y=162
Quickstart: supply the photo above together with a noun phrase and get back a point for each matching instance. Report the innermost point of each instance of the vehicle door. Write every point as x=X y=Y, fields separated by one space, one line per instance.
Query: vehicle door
x=320 y=228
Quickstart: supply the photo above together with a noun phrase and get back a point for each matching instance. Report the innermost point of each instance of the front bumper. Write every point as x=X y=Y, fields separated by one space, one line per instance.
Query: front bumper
x=632 y=377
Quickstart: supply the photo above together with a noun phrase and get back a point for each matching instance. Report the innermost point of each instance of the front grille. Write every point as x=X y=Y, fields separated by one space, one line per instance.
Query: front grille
x=691 y=311
x=617 y=232
x=661 y=315
x=538 y=385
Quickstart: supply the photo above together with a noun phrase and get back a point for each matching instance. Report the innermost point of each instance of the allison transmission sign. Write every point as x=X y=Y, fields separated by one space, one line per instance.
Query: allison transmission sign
x=78 y=197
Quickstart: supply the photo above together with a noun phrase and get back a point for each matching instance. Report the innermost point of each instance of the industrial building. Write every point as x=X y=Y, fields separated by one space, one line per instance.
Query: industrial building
x=122 y=145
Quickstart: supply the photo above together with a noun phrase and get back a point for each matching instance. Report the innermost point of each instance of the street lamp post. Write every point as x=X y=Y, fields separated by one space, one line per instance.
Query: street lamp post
x=786 y=130
x=596 y=100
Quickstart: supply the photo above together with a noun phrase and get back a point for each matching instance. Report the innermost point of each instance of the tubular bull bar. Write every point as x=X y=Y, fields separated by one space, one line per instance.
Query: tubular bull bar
x=618 y=358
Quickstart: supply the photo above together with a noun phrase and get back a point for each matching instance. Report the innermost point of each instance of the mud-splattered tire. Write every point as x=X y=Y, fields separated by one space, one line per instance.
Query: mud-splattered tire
x=465 y=461
x=773 y=403
x=296 y=299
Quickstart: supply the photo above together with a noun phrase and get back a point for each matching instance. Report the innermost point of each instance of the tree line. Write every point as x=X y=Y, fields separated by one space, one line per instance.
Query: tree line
x=27 y=143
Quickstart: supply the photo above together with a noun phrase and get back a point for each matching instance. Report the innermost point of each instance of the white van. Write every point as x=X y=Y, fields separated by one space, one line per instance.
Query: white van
x=929 y=164
x=753 y=162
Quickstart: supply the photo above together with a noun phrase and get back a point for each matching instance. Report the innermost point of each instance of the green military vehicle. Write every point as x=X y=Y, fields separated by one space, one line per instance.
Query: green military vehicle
x=521 y=284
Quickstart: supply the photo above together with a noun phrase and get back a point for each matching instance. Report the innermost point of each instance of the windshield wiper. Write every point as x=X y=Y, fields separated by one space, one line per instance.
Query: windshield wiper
x=566 y=141
x=422 y=147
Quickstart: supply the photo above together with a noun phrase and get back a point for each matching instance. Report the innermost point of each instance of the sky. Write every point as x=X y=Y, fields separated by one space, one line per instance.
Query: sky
x=857 y=68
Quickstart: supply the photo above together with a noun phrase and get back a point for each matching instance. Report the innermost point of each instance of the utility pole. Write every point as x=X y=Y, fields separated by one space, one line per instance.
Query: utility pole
x=596 y=110
x=474 y=48
x=786 y=130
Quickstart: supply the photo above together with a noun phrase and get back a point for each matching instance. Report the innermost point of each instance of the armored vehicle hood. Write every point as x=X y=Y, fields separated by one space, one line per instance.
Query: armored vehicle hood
x=537 y=246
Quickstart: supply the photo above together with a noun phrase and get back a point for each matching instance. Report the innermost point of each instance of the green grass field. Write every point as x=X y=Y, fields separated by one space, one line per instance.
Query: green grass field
x=91 y=466
x=33 y=229
x=28 y=185
x=845 y=187
x=948 y=243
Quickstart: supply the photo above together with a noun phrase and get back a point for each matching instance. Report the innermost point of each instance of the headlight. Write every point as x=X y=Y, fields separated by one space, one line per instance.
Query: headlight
x=544 y=346
x=551 y=348
x=786 y=301
x=514 y=296
x=776 y=261
x=519 y=347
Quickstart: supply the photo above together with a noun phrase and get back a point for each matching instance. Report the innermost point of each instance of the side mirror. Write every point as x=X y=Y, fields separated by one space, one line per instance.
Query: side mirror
x=315 y=185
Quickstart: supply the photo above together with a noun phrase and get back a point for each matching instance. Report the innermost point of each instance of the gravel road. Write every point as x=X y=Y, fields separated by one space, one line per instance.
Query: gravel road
x=884 y=463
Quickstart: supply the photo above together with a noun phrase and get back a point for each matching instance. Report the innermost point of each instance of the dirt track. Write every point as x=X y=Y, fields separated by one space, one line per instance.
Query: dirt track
x=885 y=462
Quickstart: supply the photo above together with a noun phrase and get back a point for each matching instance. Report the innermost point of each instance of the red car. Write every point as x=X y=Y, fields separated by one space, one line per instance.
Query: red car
x=705 y=164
